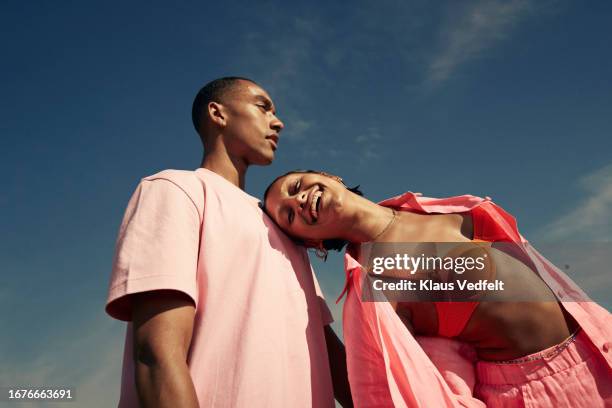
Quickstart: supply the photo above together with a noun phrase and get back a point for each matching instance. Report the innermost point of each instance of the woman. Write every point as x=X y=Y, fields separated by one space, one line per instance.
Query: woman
x=543 y=353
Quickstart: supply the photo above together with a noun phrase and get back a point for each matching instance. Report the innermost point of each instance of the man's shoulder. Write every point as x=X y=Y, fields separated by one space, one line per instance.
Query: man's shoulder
x=186 y=180
x=175 y=176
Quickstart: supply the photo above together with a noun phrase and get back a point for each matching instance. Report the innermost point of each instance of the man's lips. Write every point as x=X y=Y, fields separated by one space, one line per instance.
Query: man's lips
x=273 y=138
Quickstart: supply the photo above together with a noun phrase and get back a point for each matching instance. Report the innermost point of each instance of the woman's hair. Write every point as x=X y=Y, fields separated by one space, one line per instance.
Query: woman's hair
x=336 y=244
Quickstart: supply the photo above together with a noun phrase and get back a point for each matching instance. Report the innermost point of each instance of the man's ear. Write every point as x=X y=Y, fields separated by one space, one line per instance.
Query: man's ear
x=216 y=113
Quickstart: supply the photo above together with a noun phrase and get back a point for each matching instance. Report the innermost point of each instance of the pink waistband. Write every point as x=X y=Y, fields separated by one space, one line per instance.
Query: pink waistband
x=542 y=364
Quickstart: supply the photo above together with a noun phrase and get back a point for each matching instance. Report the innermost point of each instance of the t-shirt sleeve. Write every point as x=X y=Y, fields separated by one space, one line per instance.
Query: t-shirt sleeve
x=326 y=315
x=157 y=247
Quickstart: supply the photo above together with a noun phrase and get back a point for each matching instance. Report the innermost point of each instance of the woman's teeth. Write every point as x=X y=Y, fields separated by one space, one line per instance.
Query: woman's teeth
x=314 y=205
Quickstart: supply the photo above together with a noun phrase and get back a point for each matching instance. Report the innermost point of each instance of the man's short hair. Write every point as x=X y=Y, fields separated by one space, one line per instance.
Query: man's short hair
x=214 y=91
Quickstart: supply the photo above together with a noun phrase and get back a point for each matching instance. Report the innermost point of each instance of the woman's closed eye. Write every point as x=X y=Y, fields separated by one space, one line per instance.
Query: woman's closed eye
x=292 y=191
x=296 y=186
x=290 y=216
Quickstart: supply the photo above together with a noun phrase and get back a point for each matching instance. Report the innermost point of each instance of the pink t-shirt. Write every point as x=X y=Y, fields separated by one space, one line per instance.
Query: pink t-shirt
x=258 y=336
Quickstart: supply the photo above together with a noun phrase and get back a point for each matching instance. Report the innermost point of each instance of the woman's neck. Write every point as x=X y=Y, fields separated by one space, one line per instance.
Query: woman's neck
x=369 y=220
x=373 y=222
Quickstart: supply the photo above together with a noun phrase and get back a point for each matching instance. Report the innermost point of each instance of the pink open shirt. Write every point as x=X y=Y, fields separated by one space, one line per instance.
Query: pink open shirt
x=388 y=367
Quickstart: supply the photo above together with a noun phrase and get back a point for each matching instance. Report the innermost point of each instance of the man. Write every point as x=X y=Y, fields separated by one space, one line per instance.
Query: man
x=224 y=309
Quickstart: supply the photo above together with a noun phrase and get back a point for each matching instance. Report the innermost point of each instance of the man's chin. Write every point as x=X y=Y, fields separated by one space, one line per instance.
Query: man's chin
x=263 y=160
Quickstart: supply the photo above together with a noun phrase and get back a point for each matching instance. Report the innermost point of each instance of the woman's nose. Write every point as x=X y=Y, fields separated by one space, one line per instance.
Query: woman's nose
x=301 y=198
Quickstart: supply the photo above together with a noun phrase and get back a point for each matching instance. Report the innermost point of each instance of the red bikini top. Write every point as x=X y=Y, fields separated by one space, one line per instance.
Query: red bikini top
x=454 y=316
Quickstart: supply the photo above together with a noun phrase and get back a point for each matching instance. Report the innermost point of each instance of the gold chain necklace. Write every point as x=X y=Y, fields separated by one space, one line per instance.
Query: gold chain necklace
x=387 y=227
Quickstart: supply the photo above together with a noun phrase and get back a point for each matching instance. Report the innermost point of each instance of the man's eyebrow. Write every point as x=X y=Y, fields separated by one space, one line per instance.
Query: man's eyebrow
x=265 y=100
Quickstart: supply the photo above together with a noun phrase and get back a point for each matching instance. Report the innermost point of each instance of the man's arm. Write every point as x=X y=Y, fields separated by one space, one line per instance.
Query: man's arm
x=337 y=364
x=163 y=327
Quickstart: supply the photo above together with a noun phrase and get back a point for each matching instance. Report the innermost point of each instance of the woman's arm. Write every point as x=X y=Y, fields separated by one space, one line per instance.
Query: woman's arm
x=337 y=364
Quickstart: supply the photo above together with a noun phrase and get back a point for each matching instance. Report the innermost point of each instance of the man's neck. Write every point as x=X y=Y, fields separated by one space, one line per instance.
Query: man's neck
x=233 y=171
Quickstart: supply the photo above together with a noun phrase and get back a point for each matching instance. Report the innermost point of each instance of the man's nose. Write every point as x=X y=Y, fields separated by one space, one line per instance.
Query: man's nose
x=277 y=124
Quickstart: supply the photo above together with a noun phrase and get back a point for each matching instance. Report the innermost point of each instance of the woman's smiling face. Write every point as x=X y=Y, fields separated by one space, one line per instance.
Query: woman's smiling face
x=307 y=206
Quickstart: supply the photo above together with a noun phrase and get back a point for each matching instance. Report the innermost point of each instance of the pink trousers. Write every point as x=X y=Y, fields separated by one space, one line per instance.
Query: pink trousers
x=572 y=376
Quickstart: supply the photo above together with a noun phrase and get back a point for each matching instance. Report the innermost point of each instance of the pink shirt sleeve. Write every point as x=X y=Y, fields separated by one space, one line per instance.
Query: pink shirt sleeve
x=157 y=246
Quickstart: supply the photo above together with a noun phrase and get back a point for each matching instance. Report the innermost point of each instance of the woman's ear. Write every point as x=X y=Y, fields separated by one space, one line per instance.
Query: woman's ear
x=317 y=245
x=312 y=243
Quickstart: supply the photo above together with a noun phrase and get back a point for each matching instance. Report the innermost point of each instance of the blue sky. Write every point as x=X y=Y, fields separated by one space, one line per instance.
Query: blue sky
x=507 y=99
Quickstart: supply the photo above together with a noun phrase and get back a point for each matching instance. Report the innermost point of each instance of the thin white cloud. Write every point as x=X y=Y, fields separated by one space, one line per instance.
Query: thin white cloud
x=280 y=65
x=471 y=31
x=369 y=144
x=86 y=359
x=591 y=220
x=582 y=237
x=296 y=128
